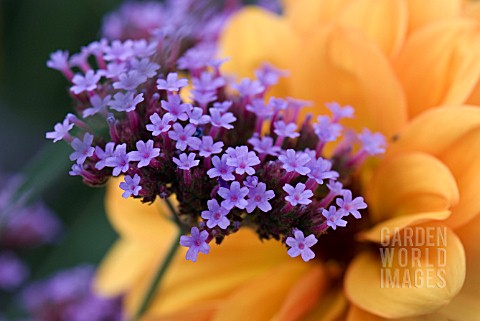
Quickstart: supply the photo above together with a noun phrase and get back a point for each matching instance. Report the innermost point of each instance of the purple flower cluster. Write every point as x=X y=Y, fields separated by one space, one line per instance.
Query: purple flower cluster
x=68 y=296
x=231 y=157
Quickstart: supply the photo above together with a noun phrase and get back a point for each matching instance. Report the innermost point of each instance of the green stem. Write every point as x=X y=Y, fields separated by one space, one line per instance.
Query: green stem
x=147 y=299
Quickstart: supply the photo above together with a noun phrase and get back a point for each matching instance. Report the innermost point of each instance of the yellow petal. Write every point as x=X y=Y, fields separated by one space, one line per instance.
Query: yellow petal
x=259 y=299
x=439 y=64
x=200 y=312
x=254 y=36
x=306 y=15
x=411 y=183
x=421 y=13
x=383 y=21
x=134 y=220
x=331 y=307
x=343 y=65
x=124 y=264
x=466 y=304
x=357 y=314
x=303 y=295
x=428 y=276
x=239 y=259
x=453 y=136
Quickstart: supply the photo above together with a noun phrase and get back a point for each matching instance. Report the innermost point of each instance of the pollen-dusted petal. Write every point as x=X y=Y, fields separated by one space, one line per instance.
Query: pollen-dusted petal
x=125 y=263
x=134 y=220
x=254 y=36
x=326 y=70
x=439 y=64
x=453 y=136
x=269 y=290
x=409 y=184
x=384 y=21
x=466 y=304
x=428 y=276
x=306 y=15
x=241 y=258
x=421 y=13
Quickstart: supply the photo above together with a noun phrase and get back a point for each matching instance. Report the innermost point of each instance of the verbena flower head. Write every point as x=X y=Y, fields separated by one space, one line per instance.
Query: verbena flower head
x=233 y=158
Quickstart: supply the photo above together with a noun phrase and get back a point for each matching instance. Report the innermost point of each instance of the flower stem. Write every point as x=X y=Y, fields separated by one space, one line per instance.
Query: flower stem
x=147 y=299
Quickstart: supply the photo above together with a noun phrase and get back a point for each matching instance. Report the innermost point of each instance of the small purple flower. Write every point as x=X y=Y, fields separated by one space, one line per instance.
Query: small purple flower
x=12 y=271
x=320 y=169
x=258 y=196
x=196 y=243
x=334 y=218
x=219 y=120
x=83 y=149
x=351 y=206
x=295 y=161
x=142 y=49
x=131 y=186
x=125 y=102
x=160 y=125
x=144 y=154
x=234 y=196
x=264 y=145
x=248 y=87
x=60 y=130
x=373 y=143
x=115 y=69
x=216 y=215
x=208 y=82
x=145 y=67
x=182 y=135
x=104 y=155
x=326 y=130
x=197 y=117
x=335 y=188
x=172 y=83
x=221 y=169
x=278 y=104
x=186 y=162
x=242 y=160
x=251 y=182
x=175 y=107
x=300 y=245
x=268 y=75
x=130 y=80
x=118 y=51
x=207 y=147
x=58 y=60
x=203 y=97
x=85 y=83
x=298 y=194
x=197 y=58
x=99 y=105
x=223 y=106
x=119 y=161
x=76 y=170
x=258 y=107
x=340 y=112
x=285 y=130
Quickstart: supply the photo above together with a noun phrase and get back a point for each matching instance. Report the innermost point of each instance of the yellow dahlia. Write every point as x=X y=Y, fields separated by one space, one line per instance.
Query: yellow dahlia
x=409 y=68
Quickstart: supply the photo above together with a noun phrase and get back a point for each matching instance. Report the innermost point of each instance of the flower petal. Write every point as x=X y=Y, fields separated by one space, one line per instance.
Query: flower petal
x=428 y=277
x=331 y=307
x=466 y=304
x=357 y=314
x=383 y=21
x=326 y=70
x=254 y=36
x=241 y=258
x=124 y=264
x=201 y=312
x=270 y=289
x=421 y=13
x=453 y=136
x=408 y=184
x=439 y=64
x=134 y=220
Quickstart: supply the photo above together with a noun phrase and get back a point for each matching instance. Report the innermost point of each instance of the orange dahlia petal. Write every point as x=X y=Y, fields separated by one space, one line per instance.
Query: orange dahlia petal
x=421 y=13
x=428 y=276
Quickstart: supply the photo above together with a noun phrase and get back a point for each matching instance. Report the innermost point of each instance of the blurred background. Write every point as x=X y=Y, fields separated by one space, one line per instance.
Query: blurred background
x=32 y=99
